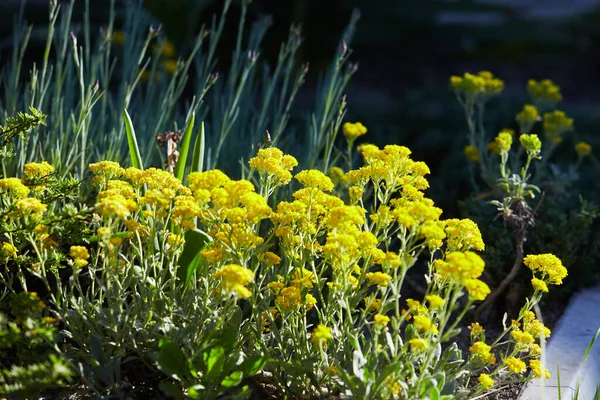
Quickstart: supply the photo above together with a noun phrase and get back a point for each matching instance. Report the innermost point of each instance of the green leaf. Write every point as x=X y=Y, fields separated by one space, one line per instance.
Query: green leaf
x=134 y=150
x=229 y=337
x=172 y=361
x=195 y=391
x=97 y=348
x=185 y=147
x=198 y=155
x=434 y=393
x=195 y=241
x=214 y=359
x=233 y=379
x=252 y=365
x=171 y=389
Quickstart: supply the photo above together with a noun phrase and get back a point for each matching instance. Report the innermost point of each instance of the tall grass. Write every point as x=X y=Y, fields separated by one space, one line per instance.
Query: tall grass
x=86 y=79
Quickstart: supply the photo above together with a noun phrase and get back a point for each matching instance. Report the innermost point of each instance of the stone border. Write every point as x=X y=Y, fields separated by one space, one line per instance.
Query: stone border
x=565 y=350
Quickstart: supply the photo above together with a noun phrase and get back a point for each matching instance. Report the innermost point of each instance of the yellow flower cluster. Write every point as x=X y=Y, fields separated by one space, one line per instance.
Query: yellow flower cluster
x=321 y=335
x=354 y=130
x=291 y=299
x=463 y=235
x=8 y=250
x=80 y=255
x=234 y=279
x=464 y=267
x=472 y=153
x=583 y=149
x=482 y=352
x=548 y=265
x=13 y=187
x=531 y=143
x=485 y=381
x=528 y=117
x=536 y=369
x=555 y=124
x=272 y=164
x=477 y=87
x=504 y=139
x=545 y=92
x=515 y=365
x=38 y=170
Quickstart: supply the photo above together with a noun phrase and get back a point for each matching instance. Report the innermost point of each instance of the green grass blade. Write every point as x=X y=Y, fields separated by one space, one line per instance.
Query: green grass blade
x=134 y=150
x=587 y=352
x=185 y=147
x=198 y=156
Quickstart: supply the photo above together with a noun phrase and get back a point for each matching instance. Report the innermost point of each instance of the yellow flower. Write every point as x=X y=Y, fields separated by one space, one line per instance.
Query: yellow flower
x=337 y=175
x=290 y=299
x=116 y=241
x=528 y=115
x=515 y=365
x=486 y=381
x=556 y=123
x=522 y=338
x=478 y=290
x=170 y=66
x=354 y=130
x=504 y=139
x=480 y=350
x=80 y=255
x=14 y=186
x=417 y=344
x=536 y=368
x=373 y=304
x=38 y=170
x=539 y=285
x=31 y=206
x=8 y=250
x=273 y=164
x=416 y=307
x=378 y=278
x=548 y=265
x=424 y=324
x=435 y=301
x=544 y=91
x=275 y=287
x=531 y=143
x=166 y=48
x=302 y=277
x=320 y=335
x=493 y=147
x=463 y=235
x=107 y=169
x=583 y=149
x=234 y=279
x=313 y=178
x=380 y=320
x=175 y=240
x=477 y=87
x=270 y=258
x=472 y=153
x=476 y=329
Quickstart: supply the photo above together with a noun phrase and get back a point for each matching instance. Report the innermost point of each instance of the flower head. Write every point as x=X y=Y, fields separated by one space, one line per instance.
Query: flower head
x=486 y=381
x=354 y=130
x=234 y=279
x=472 y=153
x=583 y=149
x=515 y=365
x=321 y=335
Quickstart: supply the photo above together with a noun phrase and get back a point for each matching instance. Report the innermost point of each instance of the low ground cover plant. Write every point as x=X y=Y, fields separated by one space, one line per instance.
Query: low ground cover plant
x=284 y=277
x=308 y=289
